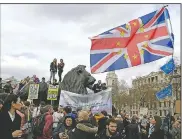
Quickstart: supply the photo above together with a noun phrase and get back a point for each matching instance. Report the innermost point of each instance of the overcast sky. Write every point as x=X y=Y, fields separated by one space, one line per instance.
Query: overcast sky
x=33 y=35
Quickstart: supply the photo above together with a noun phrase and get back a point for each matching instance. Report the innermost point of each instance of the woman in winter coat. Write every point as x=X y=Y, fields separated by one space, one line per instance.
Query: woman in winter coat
x=63 y=129
x=157 y=133
x=10 y=121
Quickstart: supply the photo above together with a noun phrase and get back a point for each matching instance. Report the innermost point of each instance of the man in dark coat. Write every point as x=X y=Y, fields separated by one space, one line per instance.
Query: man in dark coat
x=97 y=87
x=43 y=88
x=132 y=130
x=126 y=120
x=157 y=133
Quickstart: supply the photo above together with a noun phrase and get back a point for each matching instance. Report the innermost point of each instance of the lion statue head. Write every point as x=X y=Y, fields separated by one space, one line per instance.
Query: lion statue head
x=77 y=80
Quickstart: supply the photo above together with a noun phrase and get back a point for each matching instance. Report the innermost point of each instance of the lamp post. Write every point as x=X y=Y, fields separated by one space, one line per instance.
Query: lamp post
x=176 y=82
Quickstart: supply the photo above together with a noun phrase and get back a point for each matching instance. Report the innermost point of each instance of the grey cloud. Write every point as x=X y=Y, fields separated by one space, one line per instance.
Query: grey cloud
x=26 y=54
x=20 y=73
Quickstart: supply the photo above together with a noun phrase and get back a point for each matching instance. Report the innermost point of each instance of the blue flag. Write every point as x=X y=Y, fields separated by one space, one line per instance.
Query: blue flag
x=164 y=92
x=168 y=67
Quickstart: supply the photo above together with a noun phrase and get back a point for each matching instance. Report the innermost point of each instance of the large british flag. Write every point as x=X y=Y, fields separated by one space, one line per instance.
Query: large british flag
x=140 y=41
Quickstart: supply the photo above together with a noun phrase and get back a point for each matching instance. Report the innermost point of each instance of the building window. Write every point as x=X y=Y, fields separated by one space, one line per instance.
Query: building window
x=164 y=103
x=160 y=104
x=152 y=79
x=161 y=81
x=148 y=80
x=164 y=112
x=156 y=78
x=155 y=105
x=160 y=112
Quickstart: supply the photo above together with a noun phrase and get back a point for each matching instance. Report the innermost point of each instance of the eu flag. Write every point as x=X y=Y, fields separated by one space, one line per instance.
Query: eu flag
x=168 y=67
x=164 y=92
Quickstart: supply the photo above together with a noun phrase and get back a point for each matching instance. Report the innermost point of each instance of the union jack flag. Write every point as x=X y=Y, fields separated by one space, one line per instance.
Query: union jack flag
x=140 y=41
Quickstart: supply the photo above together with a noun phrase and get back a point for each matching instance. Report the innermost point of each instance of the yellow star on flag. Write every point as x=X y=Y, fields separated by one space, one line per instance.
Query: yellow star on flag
x=118 y=44
x=125 y=56
x=145 y=45
x=141 y=29
x=146 y=36
x=135 y=56
x=119 y=52
x=127 y=26
x=122 y=34
x=134 y=23
x=141 y=52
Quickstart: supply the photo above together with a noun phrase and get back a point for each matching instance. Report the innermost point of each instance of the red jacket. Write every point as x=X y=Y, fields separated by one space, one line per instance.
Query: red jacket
x=47 y=131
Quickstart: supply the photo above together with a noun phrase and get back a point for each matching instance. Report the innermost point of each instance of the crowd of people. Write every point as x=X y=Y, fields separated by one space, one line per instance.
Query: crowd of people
x=40 y=121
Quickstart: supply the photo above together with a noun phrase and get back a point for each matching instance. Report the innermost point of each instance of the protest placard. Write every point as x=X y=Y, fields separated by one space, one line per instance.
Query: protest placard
x=52 y=92
x=33 y=91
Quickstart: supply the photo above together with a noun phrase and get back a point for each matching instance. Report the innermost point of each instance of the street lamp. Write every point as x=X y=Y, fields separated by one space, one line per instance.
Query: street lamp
x=176 y=80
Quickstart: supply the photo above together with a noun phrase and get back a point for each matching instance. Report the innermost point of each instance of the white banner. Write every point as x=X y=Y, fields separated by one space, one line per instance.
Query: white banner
x=98 y=102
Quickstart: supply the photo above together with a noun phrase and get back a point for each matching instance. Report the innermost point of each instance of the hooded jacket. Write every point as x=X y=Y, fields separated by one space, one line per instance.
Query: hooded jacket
x=83 y=130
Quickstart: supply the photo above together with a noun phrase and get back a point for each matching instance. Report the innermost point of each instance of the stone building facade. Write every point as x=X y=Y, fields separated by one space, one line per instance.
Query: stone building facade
x=153 y=83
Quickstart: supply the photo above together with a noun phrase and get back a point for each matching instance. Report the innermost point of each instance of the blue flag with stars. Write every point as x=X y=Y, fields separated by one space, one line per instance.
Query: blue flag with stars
x=168 y=67
x=166 y=92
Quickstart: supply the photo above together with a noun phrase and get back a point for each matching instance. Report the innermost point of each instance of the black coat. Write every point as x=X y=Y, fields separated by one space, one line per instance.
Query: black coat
x=132 y=131
x=7 y=127
x=120 y=126
x=159 y=134
x=103 y=135
x=126 y=122
x=53 y=67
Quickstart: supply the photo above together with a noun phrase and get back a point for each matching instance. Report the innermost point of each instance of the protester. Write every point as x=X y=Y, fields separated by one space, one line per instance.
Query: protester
x=83 y=130
x=176 y=130
x=47 y=130
x=64 y=129
x=126 y=120
x=43 y=88
x=57 y=115
x=1 y=104
x=10 y=121
x=53 y=69
x=156 y=132
x=60 y=69
x=55 y=82
x=103 y=86
x=132 y=130
x=120 y=125
x=8 y=88
x=110 y=132
x=97 y=87
x=0 y=85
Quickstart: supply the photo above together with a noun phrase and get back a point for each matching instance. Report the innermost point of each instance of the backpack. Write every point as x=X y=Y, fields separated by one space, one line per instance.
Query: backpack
x=38 y=125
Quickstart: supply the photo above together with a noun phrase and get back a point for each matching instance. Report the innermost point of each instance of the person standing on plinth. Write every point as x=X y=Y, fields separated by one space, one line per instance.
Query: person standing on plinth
x=53 y=69
x=60 y=69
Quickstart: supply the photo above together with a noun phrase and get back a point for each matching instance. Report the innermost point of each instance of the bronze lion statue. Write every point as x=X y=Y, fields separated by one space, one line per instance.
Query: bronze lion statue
x=77 y=80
